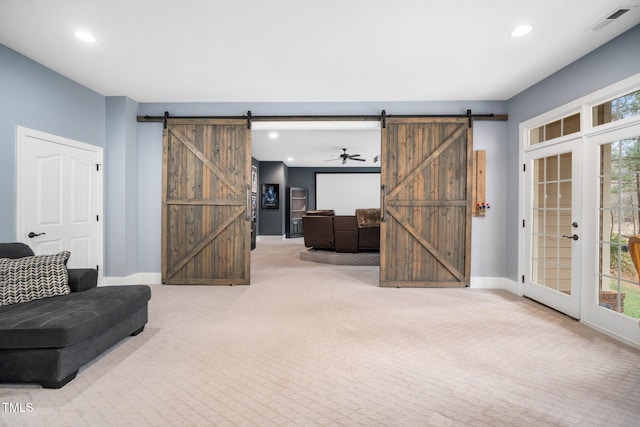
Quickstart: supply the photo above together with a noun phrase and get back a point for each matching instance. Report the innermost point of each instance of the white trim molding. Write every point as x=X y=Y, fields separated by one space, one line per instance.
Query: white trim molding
x=134 y=279
x=496 y=283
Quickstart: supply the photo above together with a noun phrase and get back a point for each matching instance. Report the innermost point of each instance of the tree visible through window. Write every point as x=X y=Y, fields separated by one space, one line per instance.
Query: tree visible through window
x=619 y=222
x=617 y=109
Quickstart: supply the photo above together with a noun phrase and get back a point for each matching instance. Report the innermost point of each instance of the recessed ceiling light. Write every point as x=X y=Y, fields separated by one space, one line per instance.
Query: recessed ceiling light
x=289 y=159
x=273 y=135
x=85 y=36
x=521 y=30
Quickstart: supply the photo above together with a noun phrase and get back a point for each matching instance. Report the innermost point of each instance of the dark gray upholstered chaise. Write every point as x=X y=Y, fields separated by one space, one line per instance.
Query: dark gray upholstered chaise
x=46 y=341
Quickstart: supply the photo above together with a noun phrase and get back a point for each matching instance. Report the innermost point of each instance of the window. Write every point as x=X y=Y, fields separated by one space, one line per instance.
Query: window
x=556 y=129
x=617 y=109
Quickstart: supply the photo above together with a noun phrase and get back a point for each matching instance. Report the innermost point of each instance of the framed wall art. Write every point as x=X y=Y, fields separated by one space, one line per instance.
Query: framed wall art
x=270 y=196
x=254 y=179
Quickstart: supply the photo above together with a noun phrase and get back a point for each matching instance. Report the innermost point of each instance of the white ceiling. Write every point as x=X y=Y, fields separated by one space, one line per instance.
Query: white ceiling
x=303 y=51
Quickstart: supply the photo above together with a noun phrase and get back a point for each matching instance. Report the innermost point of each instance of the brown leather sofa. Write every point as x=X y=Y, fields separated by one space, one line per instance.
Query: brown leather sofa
x=340 y=233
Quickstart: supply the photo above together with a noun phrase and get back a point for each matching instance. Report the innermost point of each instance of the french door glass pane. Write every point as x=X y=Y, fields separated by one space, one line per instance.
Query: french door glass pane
x=551 y=215
x=619 y=226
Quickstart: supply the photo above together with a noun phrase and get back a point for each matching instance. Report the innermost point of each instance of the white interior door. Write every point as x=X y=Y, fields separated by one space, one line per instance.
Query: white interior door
x=60 y=197
x=553 y=227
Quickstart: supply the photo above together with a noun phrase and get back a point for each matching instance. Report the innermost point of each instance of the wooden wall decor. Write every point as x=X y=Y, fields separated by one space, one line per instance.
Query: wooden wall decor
x=480 y=203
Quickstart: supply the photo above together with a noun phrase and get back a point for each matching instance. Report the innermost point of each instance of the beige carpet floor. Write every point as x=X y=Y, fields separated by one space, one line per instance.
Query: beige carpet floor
x=312 y=344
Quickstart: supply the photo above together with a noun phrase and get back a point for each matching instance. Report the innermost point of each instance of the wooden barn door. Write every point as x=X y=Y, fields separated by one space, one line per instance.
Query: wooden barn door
x=426 y=202
x=205 y=215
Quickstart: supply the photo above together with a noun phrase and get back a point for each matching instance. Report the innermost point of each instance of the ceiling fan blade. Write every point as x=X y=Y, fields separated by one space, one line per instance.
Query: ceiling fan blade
x=353 y=155
x=344 y=161
x=360 y=160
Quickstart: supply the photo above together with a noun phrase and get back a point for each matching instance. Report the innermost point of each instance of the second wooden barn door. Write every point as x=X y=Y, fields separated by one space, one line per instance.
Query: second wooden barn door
x=426 y=180
x=205 y=216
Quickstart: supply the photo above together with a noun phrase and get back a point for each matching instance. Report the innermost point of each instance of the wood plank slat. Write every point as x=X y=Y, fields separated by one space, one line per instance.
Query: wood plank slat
x=467 y=216
x=420 y=284
x=163 y=219
x=205 y=121
x=427 y=203
x=426 y=119
x=206 y=202
x=384 y=170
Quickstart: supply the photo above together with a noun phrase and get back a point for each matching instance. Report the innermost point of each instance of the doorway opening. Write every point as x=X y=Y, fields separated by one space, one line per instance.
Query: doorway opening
x=291 y=153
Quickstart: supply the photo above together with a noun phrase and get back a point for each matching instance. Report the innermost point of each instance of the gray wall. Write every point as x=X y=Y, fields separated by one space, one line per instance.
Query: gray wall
x=615 y=61
x=272 y=221
x=149 y=198
x=121 y=187
x=38 y=98
x=488 y=233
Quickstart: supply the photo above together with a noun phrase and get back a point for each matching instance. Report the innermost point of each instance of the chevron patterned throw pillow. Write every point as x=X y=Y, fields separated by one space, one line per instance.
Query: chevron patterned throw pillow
x=32 y=278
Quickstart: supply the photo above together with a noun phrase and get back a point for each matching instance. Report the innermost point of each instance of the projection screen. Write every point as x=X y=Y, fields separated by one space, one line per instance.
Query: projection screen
x=346 y=192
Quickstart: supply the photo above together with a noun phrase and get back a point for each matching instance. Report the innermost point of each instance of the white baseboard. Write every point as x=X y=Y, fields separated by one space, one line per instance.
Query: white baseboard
x=496 y=283
x=134 y=279
x=487 y=282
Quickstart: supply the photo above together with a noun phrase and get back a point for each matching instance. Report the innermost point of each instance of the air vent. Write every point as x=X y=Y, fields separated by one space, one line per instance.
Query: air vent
x=610 y=18
x=618 y=13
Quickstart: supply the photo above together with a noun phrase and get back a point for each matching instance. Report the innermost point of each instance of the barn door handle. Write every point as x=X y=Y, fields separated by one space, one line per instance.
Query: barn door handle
x=31 y=234
x=383 y=202
x=247 y=214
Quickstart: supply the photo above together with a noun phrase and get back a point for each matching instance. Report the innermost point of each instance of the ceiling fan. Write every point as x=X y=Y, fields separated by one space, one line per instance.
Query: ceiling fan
x=344 y=157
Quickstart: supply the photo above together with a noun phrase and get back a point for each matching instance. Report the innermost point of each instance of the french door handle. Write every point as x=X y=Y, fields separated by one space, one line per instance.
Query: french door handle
x=574 y=237
x=247 y=215
x=383 y=202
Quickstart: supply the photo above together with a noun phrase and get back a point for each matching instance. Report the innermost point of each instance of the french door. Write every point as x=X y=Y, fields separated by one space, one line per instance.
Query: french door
x=553 y=226
x=580 y=206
